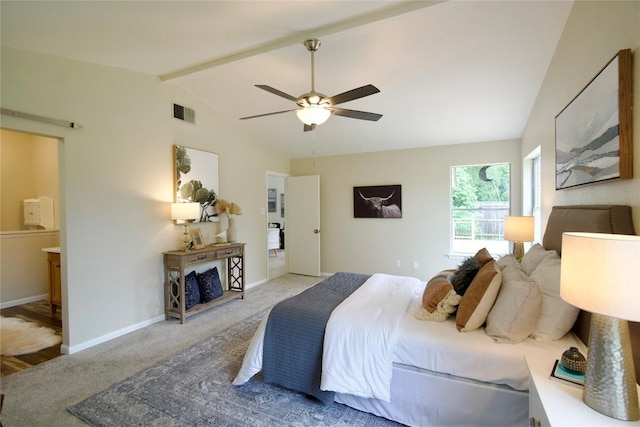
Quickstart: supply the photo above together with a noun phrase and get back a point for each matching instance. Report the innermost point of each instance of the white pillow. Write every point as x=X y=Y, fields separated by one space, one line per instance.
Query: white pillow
x=517 y=307
x=556 y=316
x=534 y=257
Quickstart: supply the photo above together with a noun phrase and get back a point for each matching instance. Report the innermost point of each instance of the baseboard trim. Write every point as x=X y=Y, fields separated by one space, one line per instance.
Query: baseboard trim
x=65 y=349
x=254 y=284
x=23 y=301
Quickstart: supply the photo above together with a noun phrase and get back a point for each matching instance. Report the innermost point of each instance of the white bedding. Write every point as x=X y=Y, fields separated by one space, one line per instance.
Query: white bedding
x=439 y=347
x=435 y=346
x=361 y=335
x=368 y=319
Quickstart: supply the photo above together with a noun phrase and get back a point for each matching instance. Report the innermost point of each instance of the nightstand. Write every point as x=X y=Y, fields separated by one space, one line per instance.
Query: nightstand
x=552 y=403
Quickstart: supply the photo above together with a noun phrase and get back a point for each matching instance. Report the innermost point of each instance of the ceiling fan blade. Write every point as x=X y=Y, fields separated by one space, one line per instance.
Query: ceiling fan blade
x=352 y=94
x=277 y=92
x=267 y=114
x=355 y=114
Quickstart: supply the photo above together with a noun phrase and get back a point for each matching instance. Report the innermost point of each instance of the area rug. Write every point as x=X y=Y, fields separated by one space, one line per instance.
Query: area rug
x=18 y=337
x=193 y=388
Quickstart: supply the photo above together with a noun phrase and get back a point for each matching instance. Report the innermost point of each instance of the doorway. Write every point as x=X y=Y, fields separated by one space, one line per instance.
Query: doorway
x=30 y=171
x=276 y=225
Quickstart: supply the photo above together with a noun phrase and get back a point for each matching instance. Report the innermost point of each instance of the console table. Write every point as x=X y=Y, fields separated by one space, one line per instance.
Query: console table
x=175 y=264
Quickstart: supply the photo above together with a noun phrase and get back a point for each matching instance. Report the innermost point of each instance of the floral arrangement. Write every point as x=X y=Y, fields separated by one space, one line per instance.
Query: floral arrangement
x=224 y=207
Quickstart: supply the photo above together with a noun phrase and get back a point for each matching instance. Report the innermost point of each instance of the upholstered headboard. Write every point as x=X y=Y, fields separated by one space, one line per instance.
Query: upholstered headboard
x=611 y=219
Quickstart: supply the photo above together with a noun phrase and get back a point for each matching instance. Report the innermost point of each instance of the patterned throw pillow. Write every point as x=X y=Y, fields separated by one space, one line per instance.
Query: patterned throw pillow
x=210 y=285
x=191 y=290
x=437 y=288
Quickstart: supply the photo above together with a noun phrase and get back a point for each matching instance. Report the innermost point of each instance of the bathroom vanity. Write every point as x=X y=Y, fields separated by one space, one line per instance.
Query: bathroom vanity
x=55 y=291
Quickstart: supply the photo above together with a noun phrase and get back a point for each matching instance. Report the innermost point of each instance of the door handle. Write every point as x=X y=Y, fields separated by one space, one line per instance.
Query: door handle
x=316 y=231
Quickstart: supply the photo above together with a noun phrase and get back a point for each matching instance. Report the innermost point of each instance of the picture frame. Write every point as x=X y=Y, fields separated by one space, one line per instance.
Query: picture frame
x=282 y=205
x=197 y=238
x=196 y=180
x=272 y=194
x=593 y=140
x=377 y=201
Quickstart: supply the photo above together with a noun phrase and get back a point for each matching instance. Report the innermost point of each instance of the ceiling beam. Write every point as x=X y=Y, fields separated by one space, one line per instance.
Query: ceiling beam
x=295 y=38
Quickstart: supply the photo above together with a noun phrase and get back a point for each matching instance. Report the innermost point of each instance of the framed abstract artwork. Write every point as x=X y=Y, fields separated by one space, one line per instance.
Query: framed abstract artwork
x=593 y=132
x=196 y=180
x=377 y=201
x=271 y=199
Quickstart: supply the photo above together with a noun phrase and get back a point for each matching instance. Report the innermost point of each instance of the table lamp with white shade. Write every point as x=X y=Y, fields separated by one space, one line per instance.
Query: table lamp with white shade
x=600 y=273
x=185 y=212
x=518 y=229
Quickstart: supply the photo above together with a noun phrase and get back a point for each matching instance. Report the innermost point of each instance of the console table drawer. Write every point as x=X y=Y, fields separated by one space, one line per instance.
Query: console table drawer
x=227 y=252
x=203 y=257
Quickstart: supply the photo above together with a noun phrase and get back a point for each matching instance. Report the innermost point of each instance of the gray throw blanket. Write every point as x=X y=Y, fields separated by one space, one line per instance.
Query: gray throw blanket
x=294 y=336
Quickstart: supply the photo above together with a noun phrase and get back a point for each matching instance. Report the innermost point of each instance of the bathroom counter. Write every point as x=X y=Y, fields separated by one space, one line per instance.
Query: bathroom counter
x=54 y=250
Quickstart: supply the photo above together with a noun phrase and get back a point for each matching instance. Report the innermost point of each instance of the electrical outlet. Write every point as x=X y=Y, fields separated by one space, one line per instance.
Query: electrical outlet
x=416 y=264
x=398 y=263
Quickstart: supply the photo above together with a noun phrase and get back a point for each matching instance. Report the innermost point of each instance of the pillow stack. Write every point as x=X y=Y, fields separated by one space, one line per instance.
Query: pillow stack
x=515 y=299
x=445 y=291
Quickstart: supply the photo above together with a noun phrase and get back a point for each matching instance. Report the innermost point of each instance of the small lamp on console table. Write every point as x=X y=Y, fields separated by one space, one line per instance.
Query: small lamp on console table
x=518 y=229
x=185 y=212
x=600 y=273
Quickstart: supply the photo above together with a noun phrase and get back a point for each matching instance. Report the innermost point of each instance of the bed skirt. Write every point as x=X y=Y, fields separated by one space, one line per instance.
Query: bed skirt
x=425 y=398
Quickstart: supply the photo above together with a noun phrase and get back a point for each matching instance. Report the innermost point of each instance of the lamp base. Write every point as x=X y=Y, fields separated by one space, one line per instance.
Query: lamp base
x=186 y=247
x=610 y=380
x=518 y=250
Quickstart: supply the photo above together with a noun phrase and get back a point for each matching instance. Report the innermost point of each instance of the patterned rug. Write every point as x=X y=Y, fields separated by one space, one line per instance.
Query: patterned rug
x=193 y=388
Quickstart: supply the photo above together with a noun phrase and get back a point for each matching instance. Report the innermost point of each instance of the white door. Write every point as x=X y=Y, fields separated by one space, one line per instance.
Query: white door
x=303 y=224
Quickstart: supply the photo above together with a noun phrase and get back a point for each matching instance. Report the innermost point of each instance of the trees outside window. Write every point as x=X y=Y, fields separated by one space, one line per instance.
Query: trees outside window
x=479 y=203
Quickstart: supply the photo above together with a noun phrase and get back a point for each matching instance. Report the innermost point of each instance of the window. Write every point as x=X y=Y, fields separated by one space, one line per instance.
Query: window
x=479 y=203
x=536 y=207
x=532 y=191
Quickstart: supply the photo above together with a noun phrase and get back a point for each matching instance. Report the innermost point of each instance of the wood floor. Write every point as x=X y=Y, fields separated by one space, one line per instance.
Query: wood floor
x=38 y=312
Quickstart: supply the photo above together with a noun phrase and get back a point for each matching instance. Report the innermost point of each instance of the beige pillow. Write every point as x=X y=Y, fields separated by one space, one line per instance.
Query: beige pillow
x=534 y=257
x=509 y=261
x=479 y=298
x=556 y=315
x=517 y=307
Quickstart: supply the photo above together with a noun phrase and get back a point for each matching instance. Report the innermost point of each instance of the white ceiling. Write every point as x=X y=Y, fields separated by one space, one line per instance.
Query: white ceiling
x=449 y=72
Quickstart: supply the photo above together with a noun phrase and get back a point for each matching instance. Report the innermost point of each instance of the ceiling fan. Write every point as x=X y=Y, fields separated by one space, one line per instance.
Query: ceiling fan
x=315 y=108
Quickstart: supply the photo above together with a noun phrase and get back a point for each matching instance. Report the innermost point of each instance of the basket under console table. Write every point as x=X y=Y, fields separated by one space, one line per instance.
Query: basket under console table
x=175 y=264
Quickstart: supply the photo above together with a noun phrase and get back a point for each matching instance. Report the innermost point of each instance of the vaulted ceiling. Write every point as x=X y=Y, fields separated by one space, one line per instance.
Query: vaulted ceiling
x=449 y=72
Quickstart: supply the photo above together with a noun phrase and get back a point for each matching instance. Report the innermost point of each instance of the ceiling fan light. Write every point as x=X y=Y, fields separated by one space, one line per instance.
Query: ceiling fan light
x=313 y=115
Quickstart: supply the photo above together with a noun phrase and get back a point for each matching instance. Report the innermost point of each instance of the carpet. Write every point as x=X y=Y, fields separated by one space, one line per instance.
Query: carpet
x=18 y=337
x=193 y=388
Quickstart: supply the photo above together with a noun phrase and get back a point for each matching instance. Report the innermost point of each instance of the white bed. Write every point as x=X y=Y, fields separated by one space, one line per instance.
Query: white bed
x=440 y=376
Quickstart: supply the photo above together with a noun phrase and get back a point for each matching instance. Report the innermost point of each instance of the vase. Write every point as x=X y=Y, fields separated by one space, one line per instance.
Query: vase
x=231 y=231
